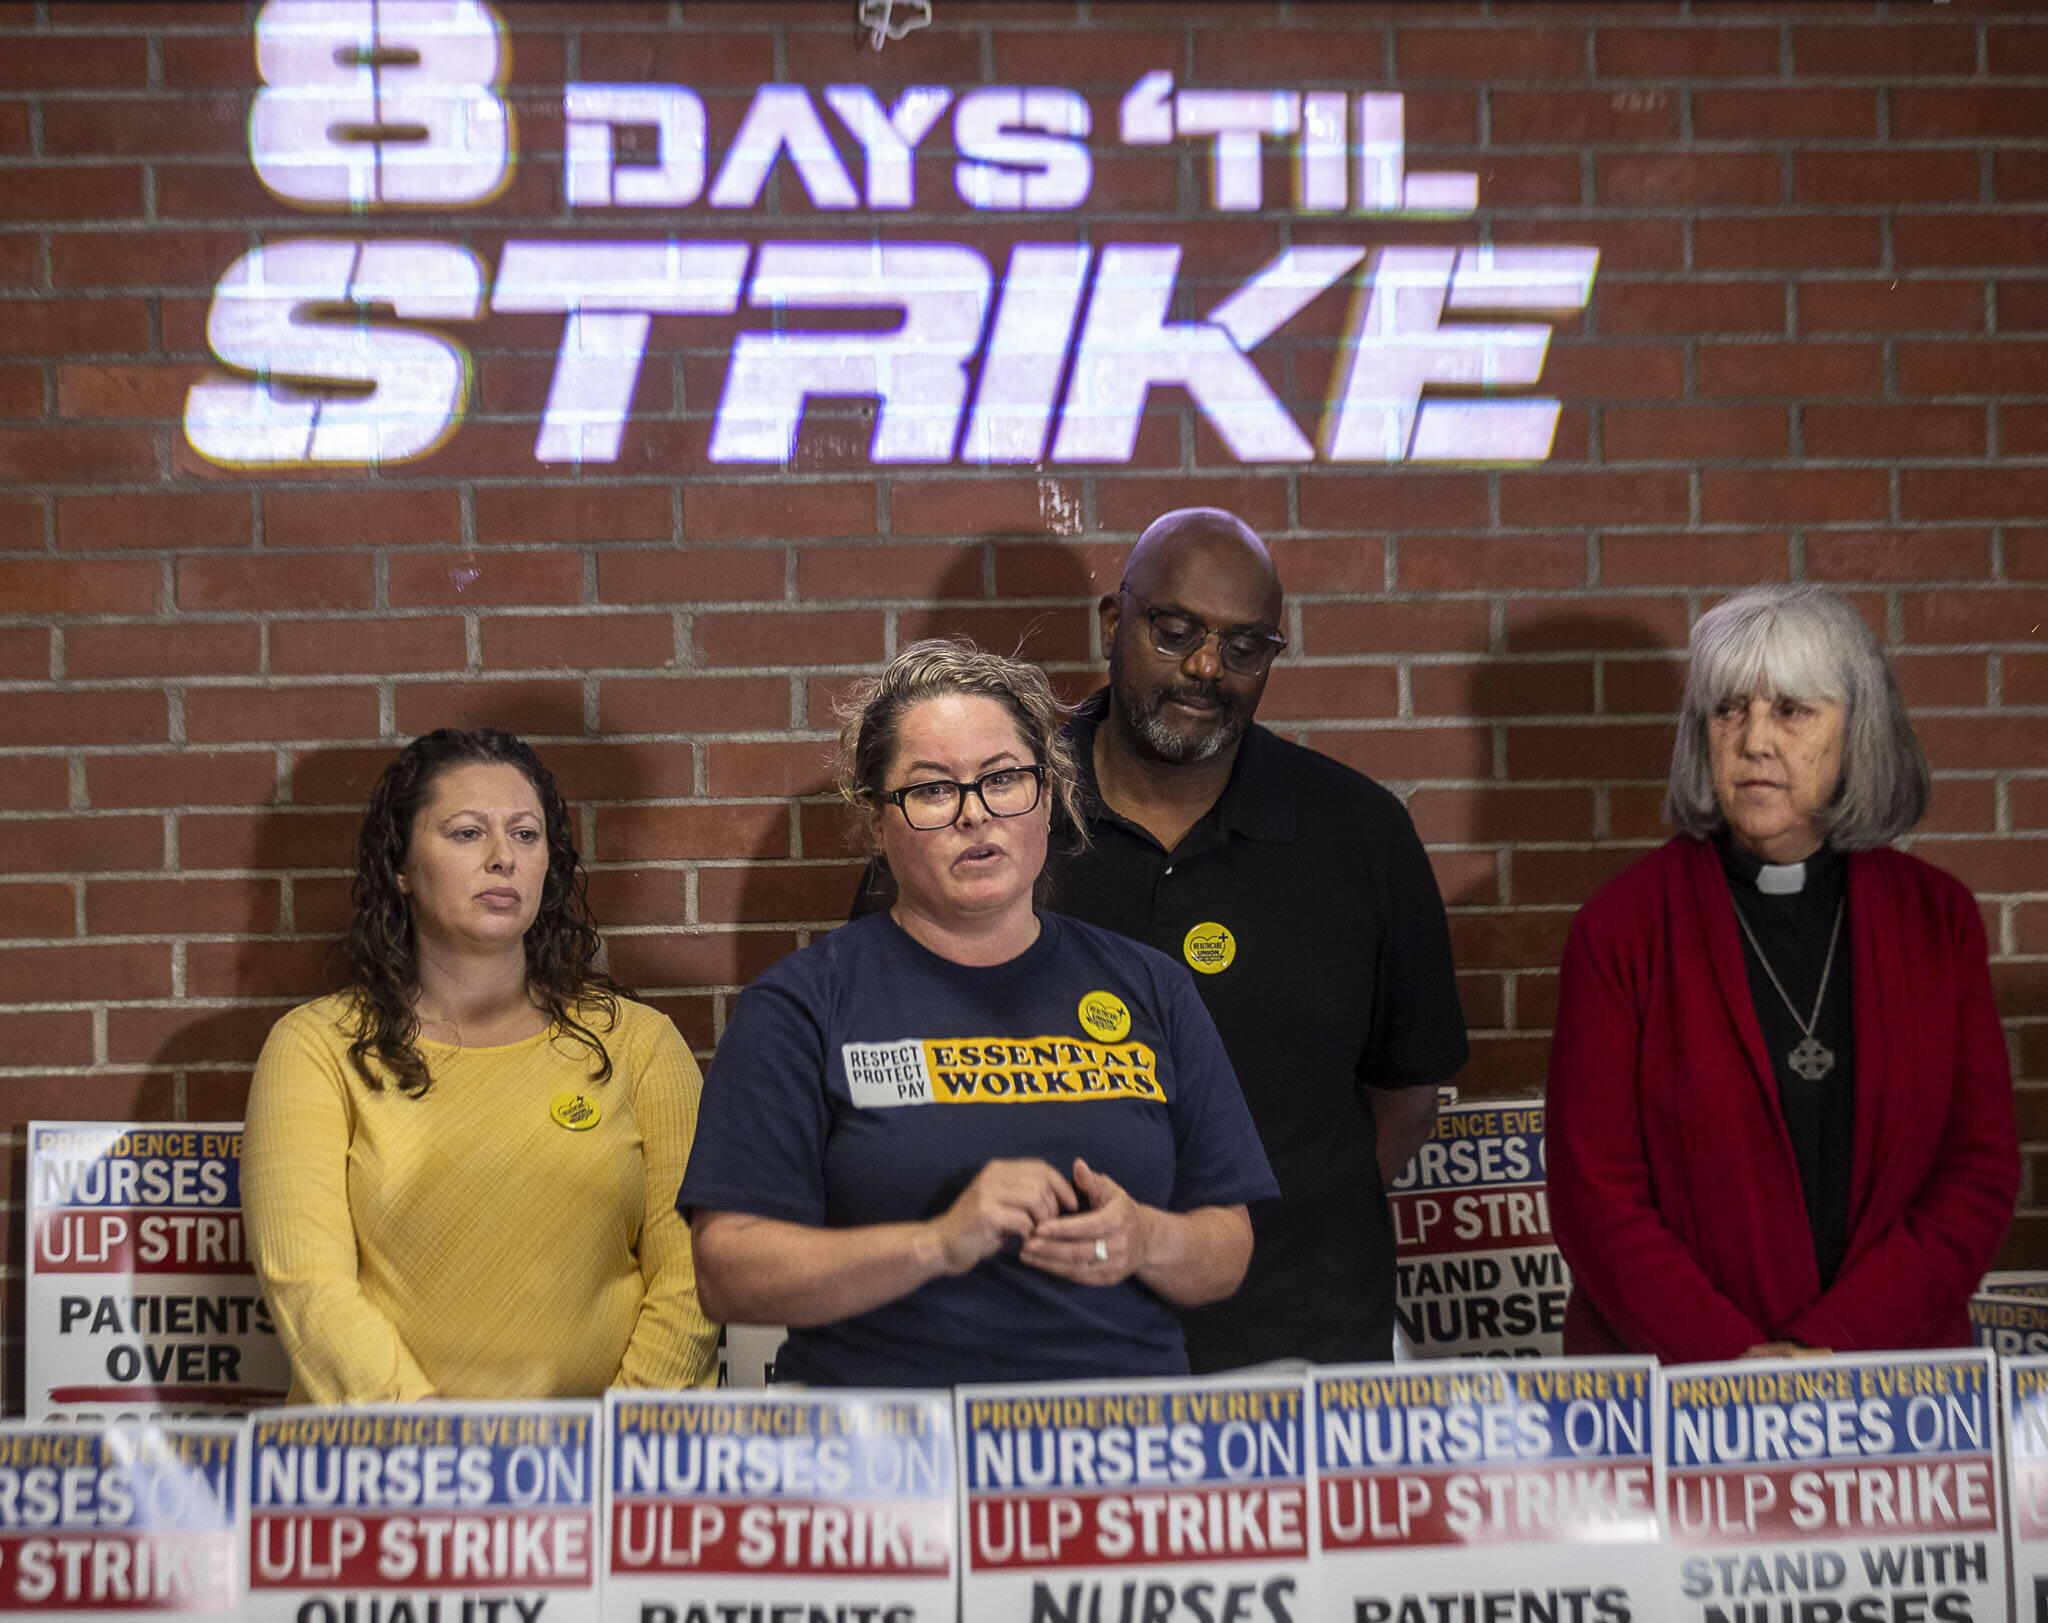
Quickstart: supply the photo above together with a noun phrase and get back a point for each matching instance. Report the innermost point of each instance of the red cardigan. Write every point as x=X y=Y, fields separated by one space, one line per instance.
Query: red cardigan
x=1673 y=1191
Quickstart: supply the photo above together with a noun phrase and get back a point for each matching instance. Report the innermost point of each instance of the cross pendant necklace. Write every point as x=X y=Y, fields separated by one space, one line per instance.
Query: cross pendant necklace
x=1811 y=1059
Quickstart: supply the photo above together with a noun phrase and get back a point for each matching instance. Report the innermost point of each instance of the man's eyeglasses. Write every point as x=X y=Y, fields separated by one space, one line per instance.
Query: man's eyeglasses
x=1177 y=635
x=1010 y=791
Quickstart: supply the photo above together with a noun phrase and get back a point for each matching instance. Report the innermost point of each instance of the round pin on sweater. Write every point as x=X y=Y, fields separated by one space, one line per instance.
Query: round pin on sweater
x=1104 y=1017
x=1209 y=949
x=576 y=1111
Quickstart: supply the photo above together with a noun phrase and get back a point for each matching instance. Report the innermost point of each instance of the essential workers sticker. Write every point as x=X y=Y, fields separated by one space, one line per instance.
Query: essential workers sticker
x=1104 y=1016
x=999 y=1070
x=1209 y=949
x=576 y=1111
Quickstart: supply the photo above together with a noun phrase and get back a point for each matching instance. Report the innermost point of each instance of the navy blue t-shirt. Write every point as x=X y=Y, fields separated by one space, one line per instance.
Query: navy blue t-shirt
x=866 y=1079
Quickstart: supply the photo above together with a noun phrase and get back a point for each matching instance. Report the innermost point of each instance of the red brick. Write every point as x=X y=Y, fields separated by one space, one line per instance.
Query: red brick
x=1949 y=493
x=1693 y=558
x=475 y=579
x=1489 y=53
x=49 y=327
x=1990 y=867
x=1233 y=56
x=1616 y=750
x=1607 y=372
x=2026 y=554
x=1922 y=113
x=757 y=830
x=1502 y=688
x=24 y=653
x=183 y=778
x=273 y=583
x=2017 y=49
x=1793 y=495
x=694 y=704
x=74 y=973
x=158 y=519
x=1300 y=692
x=982 y=506
x=1690 y=180
x=1893 y=306
x=781 y=767
x=1942 y=681
x=1458 y=816
x=781 y=511
x=699 y=958
x=72 y=193
x=1893 y=431
x=2023 y=430
x=295 y=969
x=21 y=524
x=1576 y=624
x=1962 y=806
x=521 y=707
x=123 y=649
x=579 y=513
x=45 y=1037
x=769 y=893
x=74 y=61
x=1641 y=687
x=578 y=642
x=1378 y=628
x=116 y=716
x=775 y=637
x=2019 y=240
x=1989 y=368
x=2019 y=177
x=1569 y=877
x=1077 y=569
x=1050 y=56
x=181 y=906
x=14 y=129
x=1466 y=562
x=314 y=518
x=888 y=572
x=1681 y=433
x=1978 y=743
x=1557 y=499
x=21 y=391
x=21 y=262
x=1891 y=176
x=1510 y=939
x=1044 y=635
x=1685 y=53
x=28 y=910
x=183 y=1033
x=105 y=128
x=690 y=575
x=276 y=838
x=637 y=895
x=51 y=586
x=63 y=456
x=1407 y=499
x=82 y=845
x=1793 y=242
x=1533 y=180
x=1790 y=369
x=366 y=647
x=1409 y=754
x=1899 y=555
x=266 y=714
x=138 y=256
x=1799 y=113
x=1573 y=117
x=1886 y=51
x=1996 y=614
x=102 y=389
x=1692 y=307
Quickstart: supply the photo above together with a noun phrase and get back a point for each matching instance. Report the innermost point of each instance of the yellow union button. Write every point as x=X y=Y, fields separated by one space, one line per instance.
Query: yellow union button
x=1209 y=949
x=1103 y=1016
x=576 y=1111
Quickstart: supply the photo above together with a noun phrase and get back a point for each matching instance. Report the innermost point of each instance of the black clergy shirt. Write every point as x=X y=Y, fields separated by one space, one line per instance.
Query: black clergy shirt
x=1339 y=977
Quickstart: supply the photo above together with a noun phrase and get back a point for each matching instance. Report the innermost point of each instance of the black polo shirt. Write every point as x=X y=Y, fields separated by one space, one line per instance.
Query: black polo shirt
x=1338 y=978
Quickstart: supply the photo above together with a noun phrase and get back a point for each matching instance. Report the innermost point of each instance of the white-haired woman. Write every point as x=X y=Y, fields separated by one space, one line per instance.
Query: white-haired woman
x=1780 y=1107
x=964 y=1140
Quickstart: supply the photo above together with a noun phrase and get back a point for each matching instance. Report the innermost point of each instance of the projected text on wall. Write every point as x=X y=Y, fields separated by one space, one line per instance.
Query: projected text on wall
x=343 y=351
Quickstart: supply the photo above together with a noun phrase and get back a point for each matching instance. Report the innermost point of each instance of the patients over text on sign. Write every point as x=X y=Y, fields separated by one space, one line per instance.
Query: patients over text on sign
x=382 y=106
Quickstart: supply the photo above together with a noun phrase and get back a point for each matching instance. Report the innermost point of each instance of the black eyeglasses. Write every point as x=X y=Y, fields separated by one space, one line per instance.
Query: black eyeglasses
x=1177 y=635
x=1009 y=791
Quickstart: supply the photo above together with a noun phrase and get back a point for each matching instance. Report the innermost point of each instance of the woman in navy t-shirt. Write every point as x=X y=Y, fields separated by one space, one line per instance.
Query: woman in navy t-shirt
x=965 y=1140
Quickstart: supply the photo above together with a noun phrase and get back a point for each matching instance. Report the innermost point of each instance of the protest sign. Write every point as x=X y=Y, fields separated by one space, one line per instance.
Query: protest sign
x=730 y=1507
x=1858 y=1487
x=427 y=1513
x=2011 y=1326
x=1171 y=1501
x=1478 y=1490
x=140 y=1296
x=119 y=1520
x=1476 y=1270
x=2026 y=1477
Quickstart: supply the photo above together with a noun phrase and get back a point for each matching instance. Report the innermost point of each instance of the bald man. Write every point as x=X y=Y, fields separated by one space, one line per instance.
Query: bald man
x=1298 y=893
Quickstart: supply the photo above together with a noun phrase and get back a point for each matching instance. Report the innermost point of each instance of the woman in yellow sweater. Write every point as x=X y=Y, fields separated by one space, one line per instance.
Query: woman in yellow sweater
x=459 y=1173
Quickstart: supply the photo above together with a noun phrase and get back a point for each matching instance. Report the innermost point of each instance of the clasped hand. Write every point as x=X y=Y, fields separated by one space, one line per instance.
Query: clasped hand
x=1102 y=1245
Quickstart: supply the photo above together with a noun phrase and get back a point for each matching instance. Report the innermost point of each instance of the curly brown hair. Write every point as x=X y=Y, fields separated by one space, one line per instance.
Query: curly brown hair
x=380 y=954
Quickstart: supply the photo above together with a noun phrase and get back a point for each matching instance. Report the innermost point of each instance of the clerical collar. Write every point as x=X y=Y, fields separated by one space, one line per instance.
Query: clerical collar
x=1774 y=878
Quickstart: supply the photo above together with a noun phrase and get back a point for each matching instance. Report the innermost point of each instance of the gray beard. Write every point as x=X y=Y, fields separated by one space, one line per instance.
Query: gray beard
x=1184 y=749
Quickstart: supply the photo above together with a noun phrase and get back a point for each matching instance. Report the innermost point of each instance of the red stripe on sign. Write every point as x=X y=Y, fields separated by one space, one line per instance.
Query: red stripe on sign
x=2030 y=1499
x=1607 y=1503
x=796 y=1537
x=1793 y=1503
x=1248 y=1522
x=1443 y=1223
x=125 y=1242
x=538 y=1549
x=122 y=1572
x=235 y=1397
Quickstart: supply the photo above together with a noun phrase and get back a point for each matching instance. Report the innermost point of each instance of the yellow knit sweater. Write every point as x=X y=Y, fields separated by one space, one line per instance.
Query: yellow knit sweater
x=488 y=1239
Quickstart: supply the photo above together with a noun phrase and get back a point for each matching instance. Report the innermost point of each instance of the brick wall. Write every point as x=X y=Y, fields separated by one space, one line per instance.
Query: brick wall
x=1817 y=349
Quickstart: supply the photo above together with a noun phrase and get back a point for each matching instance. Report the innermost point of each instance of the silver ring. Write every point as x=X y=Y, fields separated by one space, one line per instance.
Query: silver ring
x=1102 y=1251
